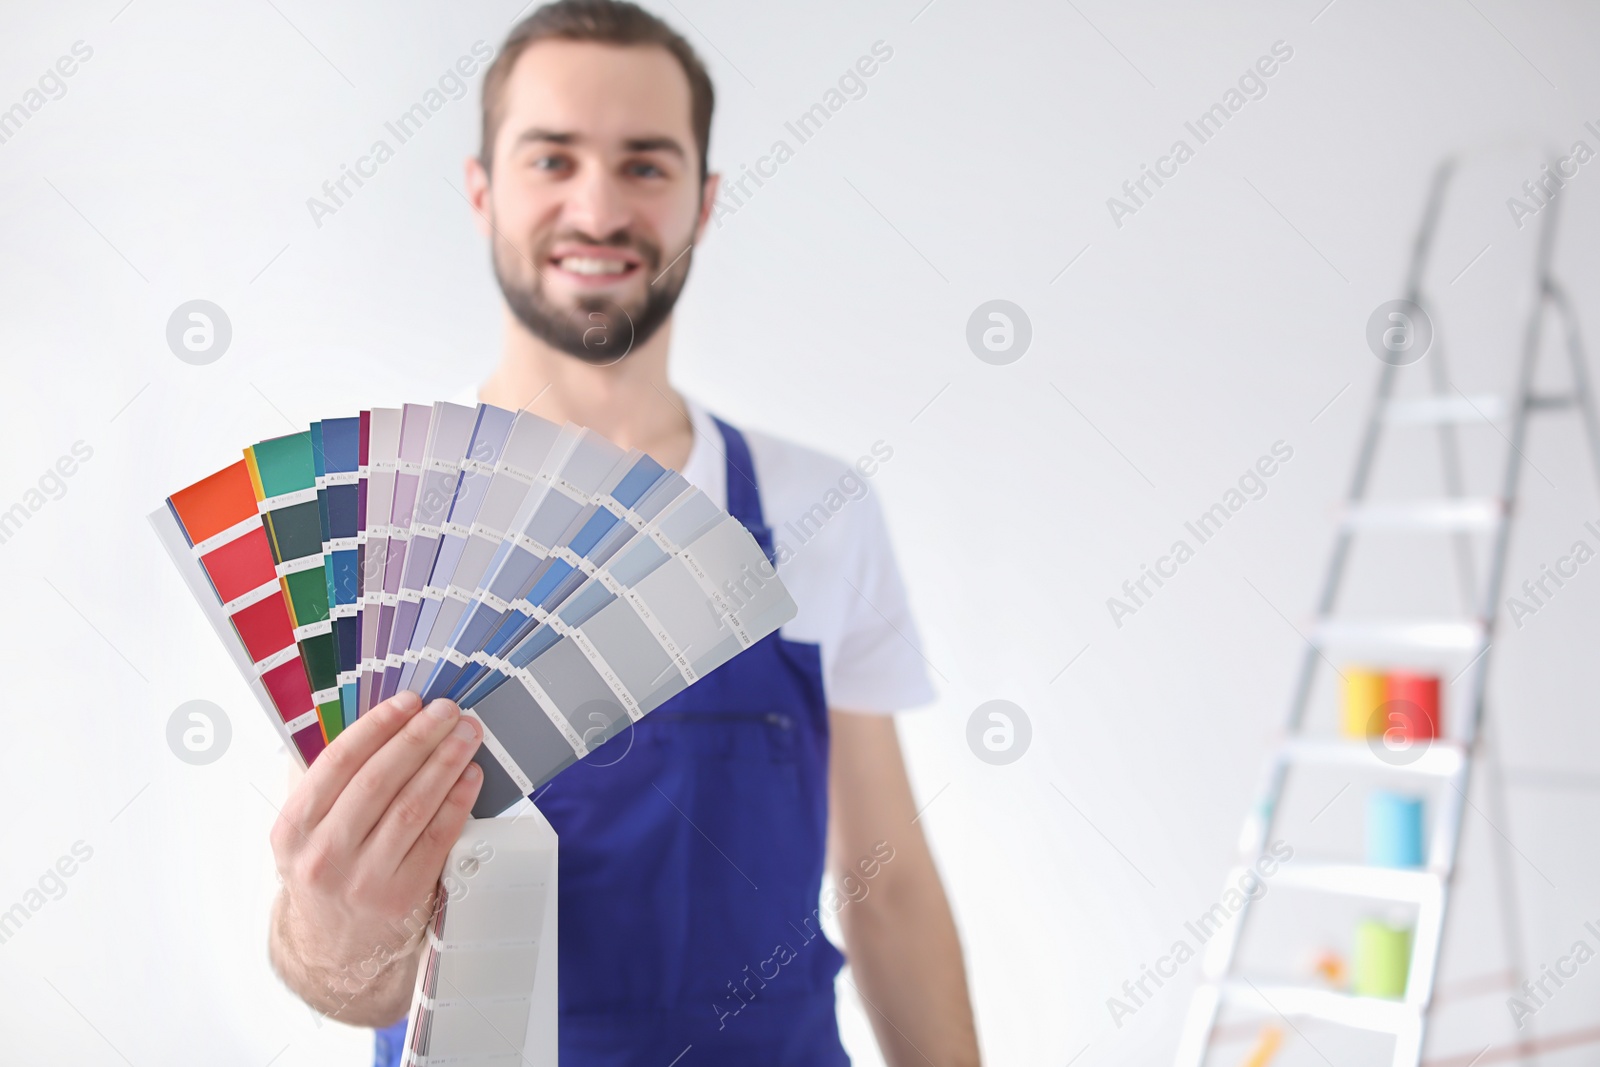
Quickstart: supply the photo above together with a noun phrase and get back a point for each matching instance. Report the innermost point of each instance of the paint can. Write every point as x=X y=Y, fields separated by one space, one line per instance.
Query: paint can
x=1394 y=829
x=1364 y=693
x=1382 y=960
x=1411 y=705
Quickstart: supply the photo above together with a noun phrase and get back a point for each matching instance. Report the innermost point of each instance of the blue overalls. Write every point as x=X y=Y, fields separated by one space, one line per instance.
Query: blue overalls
x=691 y=866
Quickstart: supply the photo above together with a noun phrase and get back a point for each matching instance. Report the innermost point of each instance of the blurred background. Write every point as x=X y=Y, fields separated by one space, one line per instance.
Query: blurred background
x=1172 y=342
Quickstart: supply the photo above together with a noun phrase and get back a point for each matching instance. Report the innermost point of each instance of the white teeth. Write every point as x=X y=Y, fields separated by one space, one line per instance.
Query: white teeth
x=584 y=265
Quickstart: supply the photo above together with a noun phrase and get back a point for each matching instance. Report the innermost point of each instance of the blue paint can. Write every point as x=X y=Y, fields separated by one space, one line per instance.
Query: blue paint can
x=1394 y=830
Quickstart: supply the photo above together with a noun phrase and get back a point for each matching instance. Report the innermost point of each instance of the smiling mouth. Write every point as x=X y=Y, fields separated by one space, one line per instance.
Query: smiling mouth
x=594 y=268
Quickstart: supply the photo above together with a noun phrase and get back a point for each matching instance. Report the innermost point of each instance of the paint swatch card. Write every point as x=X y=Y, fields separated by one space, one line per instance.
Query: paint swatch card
x=284 y=479
x=213 y=533
x=486 y=994
x=383 y=455
x=336 y=451
x=415 y=423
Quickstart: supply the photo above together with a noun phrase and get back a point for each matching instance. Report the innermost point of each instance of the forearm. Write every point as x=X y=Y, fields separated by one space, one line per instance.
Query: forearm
x=906 y=958
x=372 y=989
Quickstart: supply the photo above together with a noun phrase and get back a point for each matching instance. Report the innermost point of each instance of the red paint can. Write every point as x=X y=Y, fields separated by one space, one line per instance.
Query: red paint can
x=1412 y=705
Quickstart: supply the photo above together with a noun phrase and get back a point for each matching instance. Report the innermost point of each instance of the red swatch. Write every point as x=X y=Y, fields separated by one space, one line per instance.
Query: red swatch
x=264 y=628
x=241 y=565
x=291 y=693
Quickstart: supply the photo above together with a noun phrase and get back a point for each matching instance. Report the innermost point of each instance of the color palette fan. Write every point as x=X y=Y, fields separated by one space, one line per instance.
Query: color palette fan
x=557 y=586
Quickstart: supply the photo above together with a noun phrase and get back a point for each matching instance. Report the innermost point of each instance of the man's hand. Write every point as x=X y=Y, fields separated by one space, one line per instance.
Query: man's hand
x=360 y=844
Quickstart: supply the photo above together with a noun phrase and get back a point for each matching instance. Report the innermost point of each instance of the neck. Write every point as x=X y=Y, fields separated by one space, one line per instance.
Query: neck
x=630 y=402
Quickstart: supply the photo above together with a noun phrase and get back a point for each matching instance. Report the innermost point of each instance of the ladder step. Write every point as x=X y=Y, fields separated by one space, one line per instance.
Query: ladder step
x=1355 y=880
x=1470 y=514
x=1362 y=1013
x=1445 y=635
x=1442 y=758
x=1433 y=410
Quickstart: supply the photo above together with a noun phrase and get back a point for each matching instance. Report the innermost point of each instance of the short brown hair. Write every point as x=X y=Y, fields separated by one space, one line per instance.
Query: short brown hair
x=614 y=22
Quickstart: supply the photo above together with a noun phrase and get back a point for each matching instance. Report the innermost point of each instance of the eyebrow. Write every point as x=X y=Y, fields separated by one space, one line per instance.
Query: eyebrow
x=632 y=144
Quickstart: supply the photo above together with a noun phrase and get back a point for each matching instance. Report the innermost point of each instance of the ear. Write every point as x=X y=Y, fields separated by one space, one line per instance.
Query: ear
x=708 y=204
x=477 y=182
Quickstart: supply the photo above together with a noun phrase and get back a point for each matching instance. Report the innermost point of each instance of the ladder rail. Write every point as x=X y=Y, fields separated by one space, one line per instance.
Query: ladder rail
x=1449 y=447
x=1366 y=457
x=1578 y=359
x=1453 y=803
x=1551 y=295
x=1506 y=895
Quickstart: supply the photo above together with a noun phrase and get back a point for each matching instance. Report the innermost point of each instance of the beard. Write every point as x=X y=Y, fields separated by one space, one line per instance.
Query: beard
x=595 y=329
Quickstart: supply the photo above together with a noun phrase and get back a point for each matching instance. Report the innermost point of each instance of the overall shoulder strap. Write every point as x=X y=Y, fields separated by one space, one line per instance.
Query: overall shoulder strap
x=744 y=494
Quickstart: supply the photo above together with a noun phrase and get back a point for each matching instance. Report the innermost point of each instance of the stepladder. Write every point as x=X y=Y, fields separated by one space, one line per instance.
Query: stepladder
x=1545 y=374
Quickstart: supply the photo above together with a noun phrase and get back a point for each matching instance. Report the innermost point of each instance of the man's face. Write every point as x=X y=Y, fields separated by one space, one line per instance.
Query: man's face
x=595 y=194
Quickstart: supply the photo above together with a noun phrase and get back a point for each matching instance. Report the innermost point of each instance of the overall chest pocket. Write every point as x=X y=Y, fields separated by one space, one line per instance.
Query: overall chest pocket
x=759 y=737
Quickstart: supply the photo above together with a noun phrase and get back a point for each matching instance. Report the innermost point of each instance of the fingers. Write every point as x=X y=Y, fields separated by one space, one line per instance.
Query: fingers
x=380 y=778
x=432 y=847
x=344 y=757
x=420 y=798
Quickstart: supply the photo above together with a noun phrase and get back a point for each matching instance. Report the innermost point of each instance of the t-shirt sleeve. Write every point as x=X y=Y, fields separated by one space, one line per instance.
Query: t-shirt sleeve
x=878 y=662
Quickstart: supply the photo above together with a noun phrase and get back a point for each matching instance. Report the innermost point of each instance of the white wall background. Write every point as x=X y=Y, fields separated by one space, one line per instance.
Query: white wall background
x=1226 y=315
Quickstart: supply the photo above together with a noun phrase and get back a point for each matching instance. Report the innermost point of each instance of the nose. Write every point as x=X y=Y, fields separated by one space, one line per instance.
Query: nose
x=596 y=204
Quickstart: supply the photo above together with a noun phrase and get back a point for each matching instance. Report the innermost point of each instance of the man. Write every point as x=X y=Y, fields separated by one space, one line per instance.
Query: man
x=691 y=858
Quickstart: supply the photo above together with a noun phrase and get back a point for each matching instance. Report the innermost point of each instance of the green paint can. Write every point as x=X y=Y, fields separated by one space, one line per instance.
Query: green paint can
x=1382 y=960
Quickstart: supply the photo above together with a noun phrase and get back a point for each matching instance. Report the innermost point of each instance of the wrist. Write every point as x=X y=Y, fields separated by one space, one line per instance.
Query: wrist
x=355 y=981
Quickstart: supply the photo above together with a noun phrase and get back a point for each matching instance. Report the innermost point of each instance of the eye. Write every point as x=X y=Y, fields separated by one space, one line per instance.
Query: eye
x=549 y=163
x=645 y=169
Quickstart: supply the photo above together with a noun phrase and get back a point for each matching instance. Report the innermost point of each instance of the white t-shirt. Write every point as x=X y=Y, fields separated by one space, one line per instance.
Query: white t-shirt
x=835 y=559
